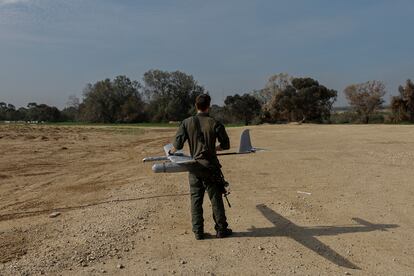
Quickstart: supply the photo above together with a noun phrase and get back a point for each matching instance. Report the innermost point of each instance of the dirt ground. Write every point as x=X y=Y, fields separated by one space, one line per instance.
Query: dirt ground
x=322 y=200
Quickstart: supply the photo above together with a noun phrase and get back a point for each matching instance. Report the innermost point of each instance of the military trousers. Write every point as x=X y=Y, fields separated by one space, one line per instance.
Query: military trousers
x=198 y=187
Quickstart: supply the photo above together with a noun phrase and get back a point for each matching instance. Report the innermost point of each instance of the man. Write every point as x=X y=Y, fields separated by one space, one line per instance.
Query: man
x=201 y=132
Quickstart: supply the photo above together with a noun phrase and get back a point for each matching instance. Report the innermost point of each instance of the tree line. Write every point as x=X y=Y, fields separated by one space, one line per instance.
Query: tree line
x=169 y=96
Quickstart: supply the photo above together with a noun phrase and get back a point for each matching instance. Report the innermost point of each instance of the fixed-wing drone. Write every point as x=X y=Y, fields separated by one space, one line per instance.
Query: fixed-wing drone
x=180 y=162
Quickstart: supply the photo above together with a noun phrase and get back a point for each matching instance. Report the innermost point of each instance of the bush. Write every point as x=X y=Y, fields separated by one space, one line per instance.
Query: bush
x=344 y=118
x=376 y=118
x=353 y=118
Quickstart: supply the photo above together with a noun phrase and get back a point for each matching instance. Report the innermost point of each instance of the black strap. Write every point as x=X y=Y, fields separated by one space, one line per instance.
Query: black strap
x=200 y=135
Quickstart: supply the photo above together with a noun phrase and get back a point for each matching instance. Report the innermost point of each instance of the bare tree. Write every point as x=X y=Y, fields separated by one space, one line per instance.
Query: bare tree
x=274 y=85
x=365 y=97
x=403 y=105
x=73 y=101
x=399 y=109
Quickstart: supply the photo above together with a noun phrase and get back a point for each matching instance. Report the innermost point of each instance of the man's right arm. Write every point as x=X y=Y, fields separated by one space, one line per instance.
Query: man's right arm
x=222 y=137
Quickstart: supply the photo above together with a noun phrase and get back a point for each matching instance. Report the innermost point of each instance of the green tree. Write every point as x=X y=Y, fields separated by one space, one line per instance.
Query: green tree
x=302 y=100
x=48 y=113
x=244 y=108
x=171 y=95
x=8 y=112
x=313 y=100
x=3 y=111
x=11 y=113
x=113 y=101
x=34 y=112
x=282 y=106
x=22 y=114
x=365 y=98
x=41 y=113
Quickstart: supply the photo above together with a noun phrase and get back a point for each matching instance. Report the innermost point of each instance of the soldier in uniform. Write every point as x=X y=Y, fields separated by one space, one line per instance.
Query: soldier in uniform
x=202 y=132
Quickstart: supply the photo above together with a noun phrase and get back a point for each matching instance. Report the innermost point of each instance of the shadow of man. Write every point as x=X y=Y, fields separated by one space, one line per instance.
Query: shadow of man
x=306 y=235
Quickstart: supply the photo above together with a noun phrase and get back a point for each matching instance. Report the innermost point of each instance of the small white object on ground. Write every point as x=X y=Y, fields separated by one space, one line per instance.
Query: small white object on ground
x=306 y=193
x=54 y=214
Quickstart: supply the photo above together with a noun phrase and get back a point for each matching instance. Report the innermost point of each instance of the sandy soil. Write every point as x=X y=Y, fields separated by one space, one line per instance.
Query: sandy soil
x=117 y=217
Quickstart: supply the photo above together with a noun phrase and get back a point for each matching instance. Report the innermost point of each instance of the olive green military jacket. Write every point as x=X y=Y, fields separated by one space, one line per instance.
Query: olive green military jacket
x=212 y=131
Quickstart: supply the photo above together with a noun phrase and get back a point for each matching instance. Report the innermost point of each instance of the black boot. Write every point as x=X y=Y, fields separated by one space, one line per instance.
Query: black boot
x=224 y=233
x=199 y=236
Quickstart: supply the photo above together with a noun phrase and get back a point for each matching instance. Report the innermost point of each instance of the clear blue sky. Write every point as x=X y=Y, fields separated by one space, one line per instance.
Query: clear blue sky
x=50 y=49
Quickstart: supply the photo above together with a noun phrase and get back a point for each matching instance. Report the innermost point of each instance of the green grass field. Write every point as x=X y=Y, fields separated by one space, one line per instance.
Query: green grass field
x=115 y=125
x=171 y=125
x=112 y=125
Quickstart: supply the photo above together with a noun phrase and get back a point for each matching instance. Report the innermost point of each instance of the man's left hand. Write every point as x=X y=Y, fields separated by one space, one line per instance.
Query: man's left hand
x=172 y=151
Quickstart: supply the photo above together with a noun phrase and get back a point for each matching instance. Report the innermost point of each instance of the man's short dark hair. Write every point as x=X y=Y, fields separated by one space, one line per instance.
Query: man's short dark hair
x=203 y=102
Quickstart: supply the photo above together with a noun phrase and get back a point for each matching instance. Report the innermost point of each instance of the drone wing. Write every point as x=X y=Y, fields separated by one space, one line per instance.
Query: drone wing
x=179 y=157
x=185 y=159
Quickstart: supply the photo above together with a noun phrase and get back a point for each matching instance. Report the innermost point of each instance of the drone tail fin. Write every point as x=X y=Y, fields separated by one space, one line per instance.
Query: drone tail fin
x=245 y=142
